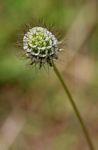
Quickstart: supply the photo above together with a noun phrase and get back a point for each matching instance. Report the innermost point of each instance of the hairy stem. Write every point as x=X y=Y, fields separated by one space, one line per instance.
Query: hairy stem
x=86 y=133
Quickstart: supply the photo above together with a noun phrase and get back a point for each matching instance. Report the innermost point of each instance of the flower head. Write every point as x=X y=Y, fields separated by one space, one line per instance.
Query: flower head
x=40 y=45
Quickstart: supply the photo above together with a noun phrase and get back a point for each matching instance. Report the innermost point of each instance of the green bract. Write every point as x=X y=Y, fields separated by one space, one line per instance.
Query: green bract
x=40 y=45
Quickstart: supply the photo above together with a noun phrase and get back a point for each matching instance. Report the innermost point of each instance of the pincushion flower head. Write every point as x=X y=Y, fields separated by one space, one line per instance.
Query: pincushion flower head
x=41 y=46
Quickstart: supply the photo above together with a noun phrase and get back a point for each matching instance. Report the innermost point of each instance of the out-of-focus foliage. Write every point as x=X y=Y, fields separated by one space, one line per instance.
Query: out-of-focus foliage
x=51 y=123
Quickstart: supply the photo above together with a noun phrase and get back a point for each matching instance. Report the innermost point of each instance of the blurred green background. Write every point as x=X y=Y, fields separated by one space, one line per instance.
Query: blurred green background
x=50 y=120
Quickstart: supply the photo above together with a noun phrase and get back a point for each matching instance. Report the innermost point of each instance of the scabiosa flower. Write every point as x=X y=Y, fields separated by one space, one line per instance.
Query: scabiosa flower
x=41 y=46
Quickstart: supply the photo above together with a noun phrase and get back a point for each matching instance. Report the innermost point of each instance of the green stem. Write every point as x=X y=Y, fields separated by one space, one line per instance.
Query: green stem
x=86 y=133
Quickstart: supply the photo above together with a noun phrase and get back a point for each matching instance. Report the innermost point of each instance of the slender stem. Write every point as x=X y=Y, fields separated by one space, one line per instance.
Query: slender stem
x=86 y=133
